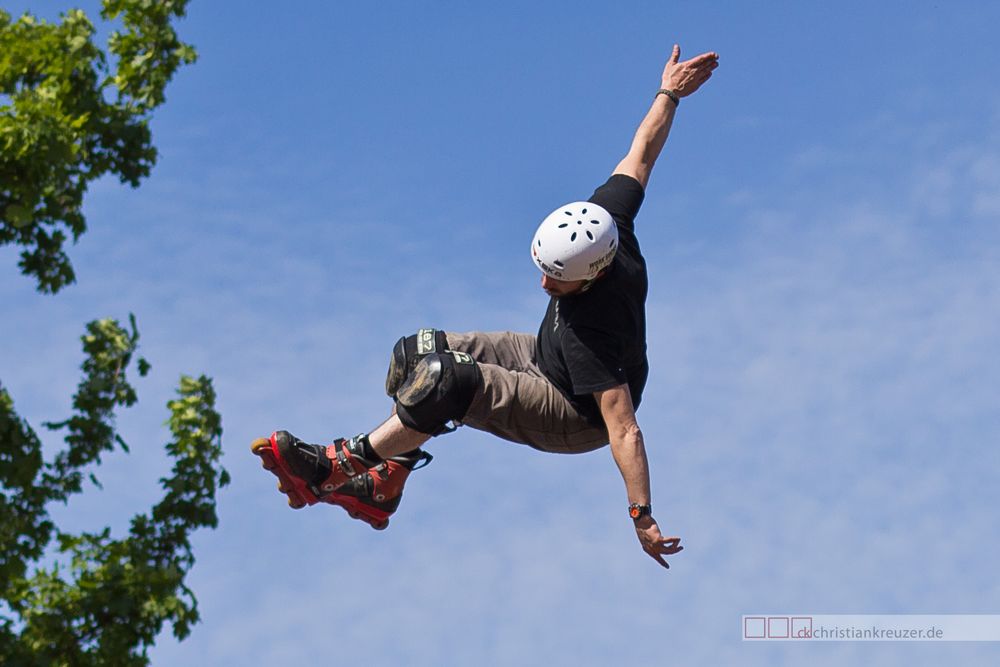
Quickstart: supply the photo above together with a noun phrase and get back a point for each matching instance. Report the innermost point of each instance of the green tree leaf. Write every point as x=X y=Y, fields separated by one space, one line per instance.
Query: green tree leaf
x=18 y=215
x=72 y=118
x=104 y=599
x=67 y=117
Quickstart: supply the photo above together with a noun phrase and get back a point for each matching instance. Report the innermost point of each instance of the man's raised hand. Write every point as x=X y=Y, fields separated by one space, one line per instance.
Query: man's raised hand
x=686 y=77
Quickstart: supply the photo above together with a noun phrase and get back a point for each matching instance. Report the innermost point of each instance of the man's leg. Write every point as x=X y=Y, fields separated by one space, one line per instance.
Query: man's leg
x=512 y=398
x=392 y=438
x=365 y=474
x=528 y=409
x=507 y=349
x=516 y=401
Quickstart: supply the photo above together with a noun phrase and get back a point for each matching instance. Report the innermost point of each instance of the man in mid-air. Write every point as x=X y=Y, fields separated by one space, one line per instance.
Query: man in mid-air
x=573 y=388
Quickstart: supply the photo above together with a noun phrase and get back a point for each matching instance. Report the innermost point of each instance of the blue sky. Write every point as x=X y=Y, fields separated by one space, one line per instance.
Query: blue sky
x=823 y=245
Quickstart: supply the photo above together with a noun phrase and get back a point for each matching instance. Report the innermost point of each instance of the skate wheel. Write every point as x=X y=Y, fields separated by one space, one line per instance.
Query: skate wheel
x=354 y=515
x=262 y=448
x=260 y=443
x=381 y=526
x=295 y=503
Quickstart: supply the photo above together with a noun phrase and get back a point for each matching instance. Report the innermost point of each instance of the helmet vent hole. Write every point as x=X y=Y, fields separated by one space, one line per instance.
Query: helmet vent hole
x=584 y=212
x=573 y=237
x=558 y=264
x=539 y=243
x=589 y=235
x=579 y=222
x=565 y=224
x=612 y=244
x=595 y=222
x=568 y=212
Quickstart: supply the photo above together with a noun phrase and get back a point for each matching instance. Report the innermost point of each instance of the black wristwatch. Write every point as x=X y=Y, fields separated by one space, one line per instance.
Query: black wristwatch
x=637 y=511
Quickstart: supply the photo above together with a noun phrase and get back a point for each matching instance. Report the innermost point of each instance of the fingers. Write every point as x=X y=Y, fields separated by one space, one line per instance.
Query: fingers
x=702 y=78
x=658 y=556
x=656 y=545
x=670 y=545
x=664 y=547
x=675 y=56
x=710 y=59
x=696 y=73
x=708 y=55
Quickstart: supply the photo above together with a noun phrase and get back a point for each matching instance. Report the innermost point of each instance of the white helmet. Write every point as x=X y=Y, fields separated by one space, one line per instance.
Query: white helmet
x=575 y=241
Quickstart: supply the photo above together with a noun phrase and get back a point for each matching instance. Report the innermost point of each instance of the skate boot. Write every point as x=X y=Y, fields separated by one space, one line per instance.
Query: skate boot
x=338 y=474
x=307 y=472
x=407 y=351
x=374 y=496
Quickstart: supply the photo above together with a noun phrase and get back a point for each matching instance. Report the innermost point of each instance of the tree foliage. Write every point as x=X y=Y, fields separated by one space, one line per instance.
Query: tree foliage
x=67 y=117
x=101 y=600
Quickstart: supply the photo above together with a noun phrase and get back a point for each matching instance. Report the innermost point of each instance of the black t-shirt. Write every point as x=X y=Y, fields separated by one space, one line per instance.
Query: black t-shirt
x=596 y=340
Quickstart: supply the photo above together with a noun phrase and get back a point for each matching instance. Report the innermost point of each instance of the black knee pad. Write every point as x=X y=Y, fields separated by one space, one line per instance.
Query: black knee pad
x=439 y=390
x=409 y=350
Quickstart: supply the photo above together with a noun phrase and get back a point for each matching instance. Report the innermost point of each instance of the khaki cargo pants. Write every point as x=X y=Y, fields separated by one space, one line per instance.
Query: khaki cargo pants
x=516 y=402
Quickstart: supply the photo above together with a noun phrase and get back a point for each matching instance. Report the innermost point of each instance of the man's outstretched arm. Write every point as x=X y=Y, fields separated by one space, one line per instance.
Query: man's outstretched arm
x=630 y=454
x=682 y=78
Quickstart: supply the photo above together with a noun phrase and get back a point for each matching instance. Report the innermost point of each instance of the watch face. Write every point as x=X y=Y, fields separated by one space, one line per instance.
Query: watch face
x=636 y=511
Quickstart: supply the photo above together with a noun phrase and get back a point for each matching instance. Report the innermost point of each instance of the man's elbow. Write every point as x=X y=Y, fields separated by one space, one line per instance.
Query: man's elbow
x=636 y=168
x=625 y=432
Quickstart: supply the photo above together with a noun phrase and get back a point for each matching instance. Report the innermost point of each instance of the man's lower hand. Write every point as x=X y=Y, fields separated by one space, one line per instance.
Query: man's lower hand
x=654 y=543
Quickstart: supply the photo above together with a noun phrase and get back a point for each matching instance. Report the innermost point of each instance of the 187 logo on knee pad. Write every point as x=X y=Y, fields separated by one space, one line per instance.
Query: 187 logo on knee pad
x=425 y=342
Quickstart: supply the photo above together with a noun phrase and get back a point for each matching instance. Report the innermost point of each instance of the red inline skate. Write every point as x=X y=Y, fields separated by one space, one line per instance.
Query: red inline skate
x=338 y=474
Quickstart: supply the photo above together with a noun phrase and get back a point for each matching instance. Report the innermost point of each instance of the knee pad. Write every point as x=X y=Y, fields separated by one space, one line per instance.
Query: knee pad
x=409 y=350
x=439 y=390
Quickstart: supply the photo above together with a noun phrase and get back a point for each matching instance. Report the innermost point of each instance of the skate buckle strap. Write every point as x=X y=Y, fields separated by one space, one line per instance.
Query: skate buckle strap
x=425 y=460
x=445 y=429
x=344 y=461
x=382 y=469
